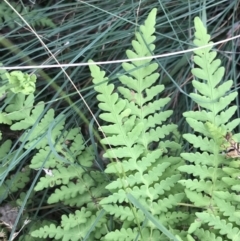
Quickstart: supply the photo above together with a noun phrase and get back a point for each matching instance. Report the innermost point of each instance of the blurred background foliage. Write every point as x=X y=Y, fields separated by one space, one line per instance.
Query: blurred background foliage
x=102 y=31
x=76 y=31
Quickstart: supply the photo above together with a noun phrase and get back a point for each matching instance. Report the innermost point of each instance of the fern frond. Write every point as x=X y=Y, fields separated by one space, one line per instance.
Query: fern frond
x=135 y=120
x=209 y=166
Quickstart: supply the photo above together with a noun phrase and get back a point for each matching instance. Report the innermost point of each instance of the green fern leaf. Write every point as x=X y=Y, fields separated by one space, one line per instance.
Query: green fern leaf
x=206 y=235
x=66 y=192
x=198 y=126
x=79 y=227
x=144 y=191
x=54 y=232
x=218 y=133
x=158 y=133
x=132 y=137
x=19 y=180
x=134 y=164
x=198 y=199
x=4 y=118
x=36 y=19
x=204 y=116
x=119 y=196
x=30 y=119
x=123 y=213
x=122 y=235
x=5 y=148
x=199 y=186
x=165 y=204
x=213 y=105
x=73 y=220
x=16 y=103
x=132 y=180
x=26 y=236
x=39 y=129
x=228 y=196
x=230 y=181
x=213 y=94
x=233 y=233
x=20 y=82
x=172 y=218
x=59 y=176
x=87 y=197
x=44 y=156
x=228 y=210
x=204 y=144
x=128 y=234
x=201 y=171
x=233 y=124
x=203 y=158
x=133 y=152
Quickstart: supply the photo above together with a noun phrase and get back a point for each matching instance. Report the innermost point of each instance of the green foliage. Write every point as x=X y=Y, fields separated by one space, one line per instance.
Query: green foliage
x=9 y=17
x=21 y=82
x=146 y=191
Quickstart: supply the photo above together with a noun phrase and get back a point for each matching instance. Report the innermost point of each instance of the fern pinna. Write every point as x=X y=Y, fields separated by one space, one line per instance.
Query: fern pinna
x=135 y=121
x=213 y=186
